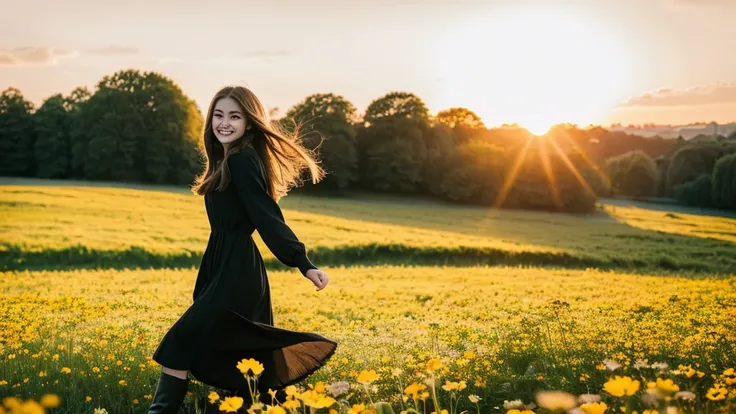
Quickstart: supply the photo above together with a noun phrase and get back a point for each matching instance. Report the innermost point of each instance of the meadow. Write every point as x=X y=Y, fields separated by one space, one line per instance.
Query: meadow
x=435 y=307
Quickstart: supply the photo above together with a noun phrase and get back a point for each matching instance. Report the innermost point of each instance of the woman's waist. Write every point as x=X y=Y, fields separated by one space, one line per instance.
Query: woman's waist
x=222 y=229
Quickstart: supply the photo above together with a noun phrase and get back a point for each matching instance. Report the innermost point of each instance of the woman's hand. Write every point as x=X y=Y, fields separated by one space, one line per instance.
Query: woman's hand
x=318 y=277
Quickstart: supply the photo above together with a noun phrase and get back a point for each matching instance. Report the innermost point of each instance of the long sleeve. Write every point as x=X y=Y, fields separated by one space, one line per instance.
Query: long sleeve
x=249 y=180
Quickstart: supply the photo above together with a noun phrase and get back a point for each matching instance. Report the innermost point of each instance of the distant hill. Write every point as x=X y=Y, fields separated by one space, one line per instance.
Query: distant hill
x=674 y=131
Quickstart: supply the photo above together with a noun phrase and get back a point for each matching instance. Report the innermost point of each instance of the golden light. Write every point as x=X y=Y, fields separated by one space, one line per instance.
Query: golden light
x=572 y=168
x=591 y=164
x=511 y=175
x=536 y=66
x=551 y=181
x=538 y=129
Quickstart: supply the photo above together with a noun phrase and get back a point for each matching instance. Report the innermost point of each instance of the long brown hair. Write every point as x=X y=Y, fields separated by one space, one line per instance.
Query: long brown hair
x=281 y=152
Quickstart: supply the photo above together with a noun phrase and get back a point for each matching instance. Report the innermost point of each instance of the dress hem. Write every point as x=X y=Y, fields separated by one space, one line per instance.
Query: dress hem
x=309 y=373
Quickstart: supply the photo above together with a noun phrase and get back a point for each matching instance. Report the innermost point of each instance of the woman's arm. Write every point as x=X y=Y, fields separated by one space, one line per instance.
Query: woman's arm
x=249 y=180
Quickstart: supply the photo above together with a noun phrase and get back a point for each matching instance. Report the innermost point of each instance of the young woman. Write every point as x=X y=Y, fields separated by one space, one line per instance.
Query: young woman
x=251 y=163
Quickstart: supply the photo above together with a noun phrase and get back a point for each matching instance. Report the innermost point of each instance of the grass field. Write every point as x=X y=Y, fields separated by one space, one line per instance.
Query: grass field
x=112 y=227
x=497 y=305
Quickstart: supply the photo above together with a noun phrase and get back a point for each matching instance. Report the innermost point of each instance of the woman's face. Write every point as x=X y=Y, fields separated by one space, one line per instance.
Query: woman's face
x=228 y=121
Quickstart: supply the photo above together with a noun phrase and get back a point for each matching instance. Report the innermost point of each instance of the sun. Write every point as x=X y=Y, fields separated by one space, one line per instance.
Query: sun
x=534 y=66
x=538 y=128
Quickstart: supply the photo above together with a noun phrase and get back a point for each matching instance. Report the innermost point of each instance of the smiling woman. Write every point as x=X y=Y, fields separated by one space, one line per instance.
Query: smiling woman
x=533 y=66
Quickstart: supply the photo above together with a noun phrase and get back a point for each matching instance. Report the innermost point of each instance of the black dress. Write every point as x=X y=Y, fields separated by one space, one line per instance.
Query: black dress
x=231 y=317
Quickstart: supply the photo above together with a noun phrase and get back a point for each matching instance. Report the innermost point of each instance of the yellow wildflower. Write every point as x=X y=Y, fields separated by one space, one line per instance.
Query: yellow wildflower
x=450 y=386
x=291 y=404
x=620 y=386
x=12 y=403
x=434 y=364
x=662 y=385
x=231 y=404
x=556 y=400
x=367 y=376
x=50 y=400
x=31 y=407
x=356 y=408
x=594 y=408
x=250 y=365
x=320 y=387
x=729 y=376
x=469 y=354
x=413 y=389
x=717 y=393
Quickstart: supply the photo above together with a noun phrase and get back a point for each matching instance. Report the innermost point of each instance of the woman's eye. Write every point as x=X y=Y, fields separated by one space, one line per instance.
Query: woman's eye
x=218 y=116
x=236 y=117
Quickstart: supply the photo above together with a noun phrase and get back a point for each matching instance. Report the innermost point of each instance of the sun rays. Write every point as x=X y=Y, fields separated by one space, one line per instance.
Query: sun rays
x=511 y=176
x=548 y=147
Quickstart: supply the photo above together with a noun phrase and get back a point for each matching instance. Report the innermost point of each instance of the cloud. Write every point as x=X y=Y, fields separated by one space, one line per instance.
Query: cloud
x=33 y=56
x=698 y=95
x=44 y=55
x=115 y=50
x=264 y=55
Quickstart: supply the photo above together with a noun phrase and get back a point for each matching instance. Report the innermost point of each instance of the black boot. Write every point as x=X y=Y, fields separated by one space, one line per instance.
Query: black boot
x=169 y=395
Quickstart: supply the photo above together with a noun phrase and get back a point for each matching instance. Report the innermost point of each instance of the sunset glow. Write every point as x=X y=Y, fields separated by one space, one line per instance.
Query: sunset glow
x=534 y=66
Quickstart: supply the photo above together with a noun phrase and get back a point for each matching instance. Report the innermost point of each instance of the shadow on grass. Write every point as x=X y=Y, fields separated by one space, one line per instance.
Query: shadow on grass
x=81 y=257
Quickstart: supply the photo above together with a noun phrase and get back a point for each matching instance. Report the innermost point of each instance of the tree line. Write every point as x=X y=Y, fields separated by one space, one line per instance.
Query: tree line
x=141 y=127
x=700 y=173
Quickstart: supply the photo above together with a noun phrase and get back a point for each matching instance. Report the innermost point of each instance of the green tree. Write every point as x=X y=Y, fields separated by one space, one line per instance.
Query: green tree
x=476 y=173
x=17 y=135
x=547 y=179
x=633 y=174
x=440 y=142
x=138 y=127
x=464 y=123
x=392 y=155
x=724 y=182
x=453 y=117
x=327 y=121
x=53 y=122
x=391 y=148
x=397 y=104
x=693 y=160
x=696 y=192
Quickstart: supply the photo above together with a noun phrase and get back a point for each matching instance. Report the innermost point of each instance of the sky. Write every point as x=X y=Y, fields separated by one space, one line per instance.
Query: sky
x=535 y=63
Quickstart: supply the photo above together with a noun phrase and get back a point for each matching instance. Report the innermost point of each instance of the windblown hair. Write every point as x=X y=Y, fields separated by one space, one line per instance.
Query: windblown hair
x=281 y=152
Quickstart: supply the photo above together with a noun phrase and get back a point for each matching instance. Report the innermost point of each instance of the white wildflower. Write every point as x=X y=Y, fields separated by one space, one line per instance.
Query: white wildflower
x=588 y=398
x=685 y=395
x=513 y=405
x=641 y=363
x=660 y=366
x=611 y=365
x=338 y=388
